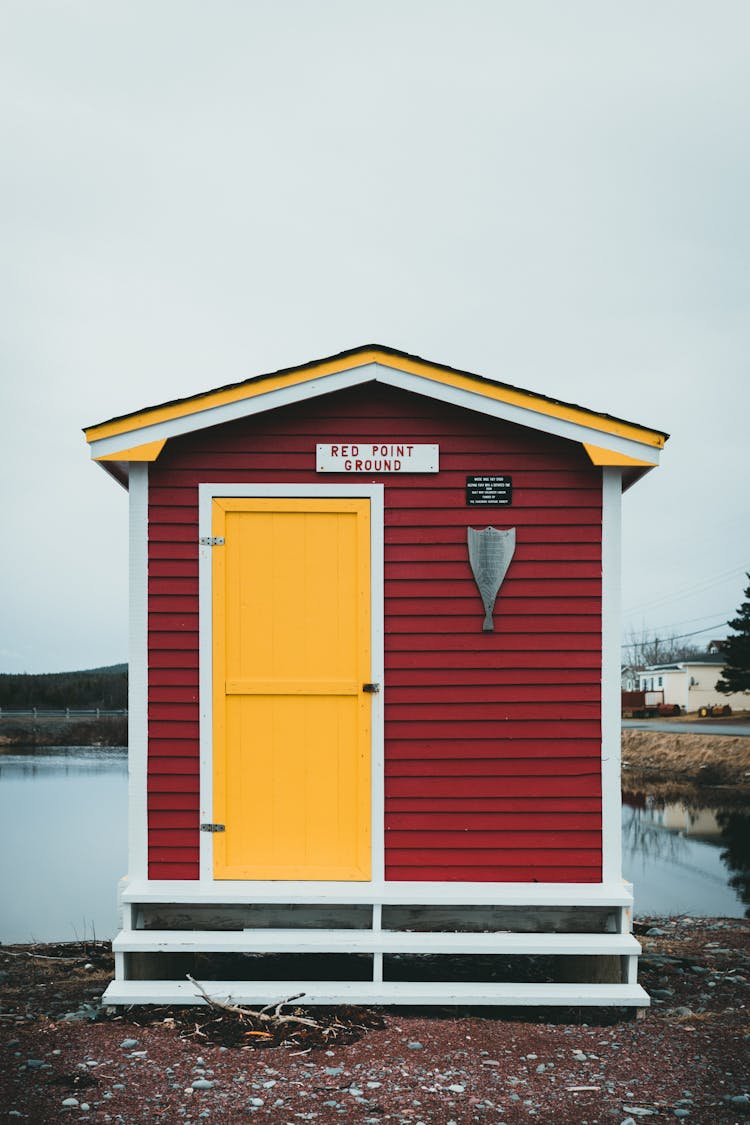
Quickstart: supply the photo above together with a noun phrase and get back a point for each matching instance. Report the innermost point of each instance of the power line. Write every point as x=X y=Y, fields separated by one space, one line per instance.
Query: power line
x=691 y=589
x=674 y=625
x=679 y=637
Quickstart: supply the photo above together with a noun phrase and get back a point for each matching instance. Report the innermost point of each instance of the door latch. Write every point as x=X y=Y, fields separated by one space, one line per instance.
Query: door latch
x=213 y=828
x=371 y=689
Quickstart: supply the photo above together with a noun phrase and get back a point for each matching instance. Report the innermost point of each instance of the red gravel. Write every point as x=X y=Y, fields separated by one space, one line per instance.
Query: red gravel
x=474 y=1067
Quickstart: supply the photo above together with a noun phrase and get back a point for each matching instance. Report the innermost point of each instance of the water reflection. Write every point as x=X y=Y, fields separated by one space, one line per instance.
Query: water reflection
x=735 y=834
x=64 y=761
x=64 y=818
x=685 y=857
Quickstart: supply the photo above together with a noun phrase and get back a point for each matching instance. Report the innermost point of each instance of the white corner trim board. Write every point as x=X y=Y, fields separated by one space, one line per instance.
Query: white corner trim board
x=610 y=704
x=138 y=674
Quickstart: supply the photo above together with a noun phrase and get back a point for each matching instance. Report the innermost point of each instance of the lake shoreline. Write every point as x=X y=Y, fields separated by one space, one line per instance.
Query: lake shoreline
x=18 y=732
x=696 y=759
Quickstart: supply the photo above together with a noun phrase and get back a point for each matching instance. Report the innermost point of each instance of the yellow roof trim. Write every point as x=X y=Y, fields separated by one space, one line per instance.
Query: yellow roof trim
x=147 y=452
x=399 y=362
x=600 y=456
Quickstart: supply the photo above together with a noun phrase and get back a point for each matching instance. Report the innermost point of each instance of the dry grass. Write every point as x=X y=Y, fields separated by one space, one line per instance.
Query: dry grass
x=708 y=759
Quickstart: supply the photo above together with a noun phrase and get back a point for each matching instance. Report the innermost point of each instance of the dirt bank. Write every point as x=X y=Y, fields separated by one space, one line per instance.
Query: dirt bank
x=63 y=1057
x=107 y=730
x=704 y=759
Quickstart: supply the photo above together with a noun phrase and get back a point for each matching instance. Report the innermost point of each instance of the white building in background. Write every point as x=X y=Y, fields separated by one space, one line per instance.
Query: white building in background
x=691 y=684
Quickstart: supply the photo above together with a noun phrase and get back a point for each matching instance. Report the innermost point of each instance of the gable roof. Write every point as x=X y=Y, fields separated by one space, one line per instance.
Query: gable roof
x=141 y=435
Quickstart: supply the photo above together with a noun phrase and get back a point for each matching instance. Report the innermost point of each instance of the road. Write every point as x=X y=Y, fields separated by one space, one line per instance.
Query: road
x=674 y=726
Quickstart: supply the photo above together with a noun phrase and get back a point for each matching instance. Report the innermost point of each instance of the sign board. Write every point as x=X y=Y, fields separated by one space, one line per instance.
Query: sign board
x=489 y=491
x=377 y=457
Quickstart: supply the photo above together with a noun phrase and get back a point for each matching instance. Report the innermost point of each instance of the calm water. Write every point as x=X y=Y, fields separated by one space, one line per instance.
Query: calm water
x=64 y=819
x=64 y=822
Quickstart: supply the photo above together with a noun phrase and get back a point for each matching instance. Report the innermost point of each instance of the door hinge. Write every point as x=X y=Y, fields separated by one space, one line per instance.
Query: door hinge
x=371 y=689
x=213 y=828
x=211 y=541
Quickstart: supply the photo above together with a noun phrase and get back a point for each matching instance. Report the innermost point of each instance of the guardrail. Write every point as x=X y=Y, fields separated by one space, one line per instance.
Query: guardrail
x=58 y=712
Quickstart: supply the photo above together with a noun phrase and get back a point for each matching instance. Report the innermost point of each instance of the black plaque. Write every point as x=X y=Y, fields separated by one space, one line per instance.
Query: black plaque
x=489 y=491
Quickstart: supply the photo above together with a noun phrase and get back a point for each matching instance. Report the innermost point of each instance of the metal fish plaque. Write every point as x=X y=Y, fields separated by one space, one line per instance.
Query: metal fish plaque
x=490 y=554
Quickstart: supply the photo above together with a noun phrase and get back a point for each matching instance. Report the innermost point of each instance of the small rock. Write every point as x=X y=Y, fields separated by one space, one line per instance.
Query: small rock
x=414 y=1045
x=128 y=1044
x=258 y=1102
x=457 y=1088
x=203 y=1084
x=655 y=932
x=71 y=1102
x=681 y=1112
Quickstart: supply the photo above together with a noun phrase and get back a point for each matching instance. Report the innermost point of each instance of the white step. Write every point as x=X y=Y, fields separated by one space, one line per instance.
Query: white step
x=369 y=941
x=379 y=993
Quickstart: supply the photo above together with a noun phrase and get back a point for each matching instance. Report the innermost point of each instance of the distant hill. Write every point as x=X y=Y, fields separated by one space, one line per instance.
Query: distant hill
x=93 y=687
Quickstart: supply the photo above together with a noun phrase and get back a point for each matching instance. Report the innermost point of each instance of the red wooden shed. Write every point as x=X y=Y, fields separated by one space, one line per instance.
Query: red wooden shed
x=374 y=689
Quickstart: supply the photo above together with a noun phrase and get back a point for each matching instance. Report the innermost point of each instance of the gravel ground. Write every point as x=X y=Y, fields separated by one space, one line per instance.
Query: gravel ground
x=62 y=1056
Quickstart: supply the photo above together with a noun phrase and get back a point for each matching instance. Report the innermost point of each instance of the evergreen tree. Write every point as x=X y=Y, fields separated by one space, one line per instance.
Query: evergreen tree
x=736 y=651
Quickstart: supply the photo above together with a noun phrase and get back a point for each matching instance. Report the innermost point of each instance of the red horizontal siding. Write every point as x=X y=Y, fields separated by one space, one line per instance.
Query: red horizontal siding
x=490 y=767
x=426 y=536
x=184 y=658
x=498 y=748
x=173 y=818
x=492 y=740
x=463 y=692
x=160 y=868
x=502 y=662
x=421 y=803
x=182 y=678
x=488 y=857
x=427 y=728
x=473 y=821
x=564 y=643
x=433 y=870
x=173 y=801
x=542 y=788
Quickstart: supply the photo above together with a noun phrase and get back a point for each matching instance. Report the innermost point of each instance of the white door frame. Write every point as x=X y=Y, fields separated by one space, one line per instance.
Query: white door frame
x=206 y=495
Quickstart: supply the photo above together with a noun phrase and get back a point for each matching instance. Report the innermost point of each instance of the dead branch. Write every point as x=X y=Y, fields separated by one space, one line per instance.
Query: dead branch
x=41 y=956
x=274 y=1005
x=261 y=1015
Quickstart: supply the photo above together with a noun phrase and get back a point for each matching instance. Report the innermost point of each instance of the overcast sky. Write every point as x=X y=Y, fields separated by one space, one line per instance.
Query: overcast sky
x=551 y=194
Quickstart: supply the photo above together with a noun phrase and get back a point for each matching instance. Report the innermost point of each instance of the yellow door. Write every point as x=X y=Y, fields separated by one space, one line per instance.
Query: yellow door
x=291 y=651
